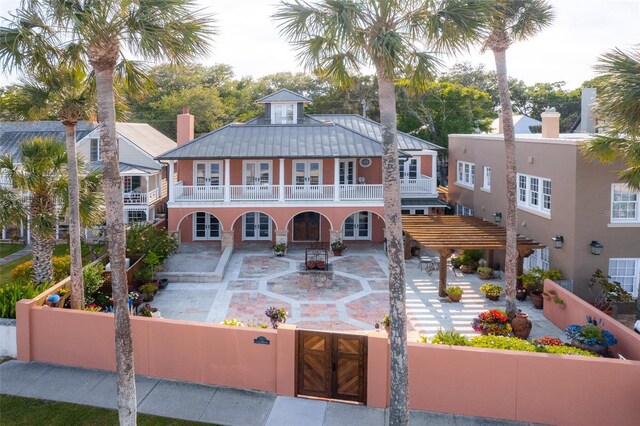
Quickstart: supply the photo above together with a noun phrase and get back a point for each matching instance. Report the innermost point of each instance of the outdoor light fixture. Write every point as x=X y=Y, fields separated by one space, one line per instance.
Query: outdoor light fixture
x=497 y=217
x=558 y=241
x=596 y=248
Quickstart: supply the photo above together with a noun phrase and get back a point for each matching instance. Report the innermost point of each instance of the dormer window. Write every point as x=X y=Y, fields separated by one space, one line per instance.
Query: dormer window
x=283 y=114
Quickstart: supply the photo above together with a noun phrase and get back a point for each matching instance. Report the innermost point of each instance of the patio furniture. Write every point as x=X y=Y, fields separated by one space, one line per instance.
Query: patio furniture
x=430 y=264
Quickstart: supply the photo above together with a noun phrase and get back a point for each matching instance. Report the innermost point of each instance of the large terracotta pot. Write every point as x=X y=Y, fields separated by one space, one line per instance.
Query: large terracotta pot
x=521 y=325
x=536 y=300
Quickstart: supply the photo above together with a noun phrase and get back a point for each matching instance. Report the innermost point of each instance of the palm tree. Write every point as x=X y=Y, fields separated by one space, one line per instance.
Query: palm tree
x=39 y=183
x=335 y=38
x=99 y=32
x=510 y=21
x=618 y=105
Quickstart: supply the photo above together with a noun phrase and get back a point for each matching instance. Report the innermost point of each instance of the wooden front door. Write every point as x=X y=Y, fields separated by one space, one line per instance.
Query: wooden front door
x=332 y=365
x=306 y=227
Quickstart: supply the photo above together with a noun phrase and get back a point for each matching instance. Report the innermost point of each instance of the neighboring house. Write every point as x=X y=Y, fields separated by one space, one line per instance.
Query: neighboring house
x=286 y=176
x=521 y=124
x=144 y=178
x=559 y=194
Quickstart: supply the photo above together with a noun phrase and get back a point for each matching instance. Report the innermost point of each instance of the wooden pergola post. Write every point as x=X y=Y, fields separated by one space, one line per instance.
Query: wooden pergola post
x=407 y=246
x=442 y=280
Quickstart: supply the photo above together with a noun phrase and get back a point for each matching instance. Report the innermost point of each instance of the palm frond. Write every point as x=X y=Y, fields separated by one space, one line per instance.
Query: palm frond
x=421 y=69
x=12 y=209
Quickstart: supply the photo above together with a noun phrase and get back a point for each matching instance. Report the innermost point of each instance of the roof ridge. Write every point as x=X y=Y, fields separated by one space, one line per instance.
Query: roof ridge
x=194 y=140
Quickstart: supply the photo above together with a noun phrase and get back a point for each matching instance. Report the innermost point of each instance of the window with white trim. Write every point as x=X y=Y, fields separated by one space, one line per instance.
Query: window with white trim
x=94 y=150
x=486 y=180
x=466 y=173
x=283 y=114
x=624 y=204
x=534 y=193
x=539 y=259
x=463 y=210
x=136 y=216
x=626 y=272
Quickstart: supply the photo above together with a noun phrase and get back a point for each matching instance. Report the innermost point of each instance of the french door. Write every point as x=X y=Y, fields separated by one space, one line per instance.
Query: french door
x=347 y=172
x=409 y=168
x=358 y=226
x=256 y=226
x=307 y=173
x=257 y=173
x=205 y=227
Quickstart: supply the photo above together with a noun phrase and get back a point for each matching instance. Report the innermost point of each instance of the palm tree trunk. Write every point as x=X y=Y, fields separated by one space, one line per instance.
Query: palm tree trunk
x=42 y=248
x=77 y=285
x=399 y=410
x=114 y=205
x=511 y=260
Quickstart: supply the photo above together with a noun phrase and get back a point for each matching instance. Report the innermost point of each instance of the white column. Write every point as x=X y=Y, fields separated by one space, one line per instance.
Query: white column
x=21 y=229
x=146 y=179
x=434 y=171
x=57 y=228
x=28 y=229
x=4 y=233
x=281 y=180
x=336 y=179
x=227 y=180
x=170 y=181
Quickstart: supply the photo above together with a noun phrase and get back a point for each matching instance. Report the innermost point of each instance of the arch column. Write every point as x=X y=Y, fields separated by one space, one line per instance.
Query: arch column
x=335 y=235
x=226 y=239
x=282 y=236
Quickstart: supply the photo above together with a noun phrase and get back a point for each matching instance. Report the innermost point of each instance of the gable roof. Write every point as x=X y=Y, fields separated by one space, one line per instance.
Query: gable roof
x=278 y=141
x=145 y=137
x=372 y=129
x=283 y=95
x=15 y=132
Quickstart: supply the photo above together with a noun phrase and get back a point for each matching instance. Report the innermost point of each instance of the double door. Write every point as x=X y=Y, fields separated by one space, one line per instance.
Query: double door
x=256 y=226
x=307 y=173
x=205 y=227
x=358 y=226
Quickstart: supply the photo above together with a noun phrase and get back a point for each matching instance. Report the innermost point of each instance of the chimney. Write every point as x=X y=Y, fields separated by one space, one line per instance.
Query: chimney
x=587 y=121
x=550 y=123
x=185 y=126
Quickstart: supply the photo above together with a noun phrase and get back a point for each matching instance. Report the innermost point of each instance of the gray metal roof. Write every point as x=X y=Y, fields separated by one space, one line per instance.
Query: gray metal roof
x=278 y=141
x=127 y=169
x=283 y=95
x=13 y=133
x=423 y=202
x=371 y=129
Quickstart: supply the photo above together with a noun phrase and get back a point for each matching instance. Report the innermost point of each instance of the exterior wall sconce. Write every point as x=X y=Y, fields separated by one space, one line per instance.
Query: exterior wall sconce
x=596 y=247
x=558 y=241
x=497 y=217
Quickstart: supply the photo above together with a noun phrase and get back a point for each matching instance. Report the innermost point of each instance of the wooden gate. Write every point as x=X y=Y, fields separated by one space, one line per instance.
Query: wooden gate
x=332 y=365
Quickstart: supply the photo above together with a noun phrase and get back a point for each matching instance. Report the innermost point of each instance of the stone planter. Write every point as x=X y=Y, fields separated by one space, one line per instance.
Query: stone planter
x=521 y=325
x=536 y=300
x=455 y=297
x=599 y=349
x=468 y=269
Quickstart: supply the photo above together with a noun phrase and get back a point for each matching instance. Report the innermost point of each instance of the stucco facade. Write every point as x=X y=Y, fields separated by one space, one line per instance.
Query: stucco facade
x=580 y=200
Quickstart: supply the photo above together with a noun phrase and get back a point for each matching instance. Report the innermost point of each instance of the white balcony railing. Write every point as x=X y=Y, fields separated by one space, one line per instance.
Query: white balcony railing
x=138 y=197
x=277 y=193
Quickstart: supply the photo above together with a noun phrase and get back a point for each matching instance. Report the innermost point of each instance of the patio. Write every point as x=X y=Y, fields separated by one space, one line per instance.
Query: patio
x=352 y=298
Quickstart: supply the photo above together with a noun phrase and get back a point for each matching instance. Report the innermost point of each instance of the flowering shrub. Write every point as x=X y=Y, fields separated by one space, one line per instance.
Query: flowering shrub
x=591 y=333
x=61 y=269
x=452 y=337
x=276 y=315
x=502 y=342
x=146 y=310
x=144 y=238
x=547 y=341
x=92 y=308
x=493 y=321
x=233 y=322
x=567 y=350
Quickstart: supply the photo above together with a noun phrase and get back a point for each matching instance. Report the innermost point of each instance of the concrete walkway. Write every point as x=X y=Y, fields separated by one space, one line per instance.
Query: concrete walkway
x=209 y=404
x=17 y=255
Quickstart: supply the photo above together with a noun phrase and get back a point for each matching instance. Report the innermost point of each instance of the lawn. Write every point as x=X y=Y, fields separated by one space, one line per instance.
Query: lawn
x=7 y=249
x=5 y=270
x=27 y=411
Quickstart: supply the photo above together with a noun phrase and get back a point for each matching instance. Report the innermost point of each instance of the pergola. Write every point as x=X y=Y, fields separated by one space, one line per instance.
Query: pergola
x=447 y=233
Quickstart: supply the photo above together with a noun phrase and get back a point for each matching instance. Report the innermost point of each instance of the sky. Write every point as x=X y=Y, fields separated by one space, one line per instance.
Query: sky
x=249 y=41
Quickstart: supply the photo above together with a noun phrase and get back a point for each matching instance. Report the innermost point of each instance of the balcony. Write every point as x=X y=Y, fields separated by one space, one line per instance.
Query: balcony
x=137 y=196
x=296 y=193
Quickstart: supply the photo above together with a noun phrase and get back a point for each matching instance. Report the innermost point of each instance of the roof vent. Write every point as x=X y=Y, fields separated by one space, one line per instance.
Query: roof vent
x=327 y=122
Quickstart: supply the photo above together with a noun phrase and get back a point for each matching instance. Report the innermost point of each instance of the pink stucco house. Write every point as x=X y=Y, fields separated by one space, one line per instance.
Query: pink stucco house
x=286 y=176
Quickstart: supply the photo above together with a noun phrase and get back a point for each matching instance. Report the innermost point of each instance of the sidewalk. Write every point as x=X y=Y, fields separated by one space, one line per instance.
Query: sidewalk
x=191 y=401
x=17 y=255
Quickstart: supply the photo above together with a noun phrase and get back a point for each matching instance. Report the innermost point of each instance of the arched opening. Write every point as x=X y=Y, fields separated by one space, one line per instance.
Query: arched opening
x=199 y=226
x=254 y=226
x=309 y=226
x=363 y=225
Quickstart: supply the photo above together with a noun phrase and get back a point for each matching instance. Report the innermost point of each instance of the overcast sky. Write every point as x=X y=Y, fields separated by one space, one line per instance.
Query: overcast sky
x=248 y=40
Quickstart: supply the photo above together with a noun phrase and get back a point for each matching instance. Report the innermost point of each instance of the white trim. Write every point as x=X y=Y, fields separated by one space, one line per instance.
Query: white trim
x=207 y=231
x=635 y=277
x=307 y=172
x=256 y=236
x=273 y=112
x=365 y=158
x=625 y=221
x=485 y=187
x=355 y=170
x=208 y=173
x=462 y=173
x=244 y=171
x=356 y=227
x=405 y=166
x=529 y=202
x=259 y=204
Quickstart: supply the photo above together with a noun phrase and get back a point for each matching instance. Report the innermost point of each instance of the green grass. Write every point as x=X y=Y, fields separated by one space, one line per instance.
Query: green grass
x=27 y=411
x=5 y=270
x=7 y=249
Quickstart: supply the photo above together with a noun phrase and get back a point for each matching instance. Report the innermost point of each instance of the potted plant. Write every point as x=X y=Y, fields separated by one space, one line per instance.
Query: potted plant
x=135 y=299
x=454 y=293
x=337 y=247
x=591 y=336
x=533 y=281
x=152 y=262
x=484 y=272
x=609 y=293
x=276 y=315
x=470 y=260
x=386 y=323
x=147 y=291
x=280 y=249
x=455 y=261
x=147 y=310
x=491 y=291
x=493 y=322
